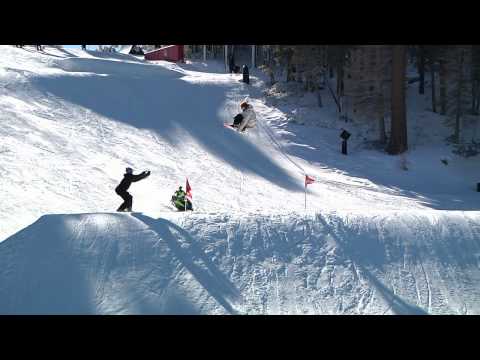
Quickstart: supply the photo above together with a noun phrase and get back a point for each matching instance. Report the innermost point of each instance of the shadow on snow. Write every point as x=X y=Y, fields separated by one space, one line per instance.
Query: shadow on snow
x=151 y=97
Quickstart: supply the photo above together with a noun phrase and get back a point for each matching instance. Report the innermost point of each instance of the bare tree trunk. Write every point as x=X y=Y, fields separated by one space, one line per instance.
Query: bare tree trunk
x=289 y=73
x=382 y=134
x=458 y=113
x=319 y=98
x=340 y=86
x=473 y=96
x=338 y=83
x=477 y=102
x=398 y=134
x=434 y=97
x=443 y=88
x=324 y=57
x=289 y=68
x=456 y=135
x=272 y=76
x=421 y=70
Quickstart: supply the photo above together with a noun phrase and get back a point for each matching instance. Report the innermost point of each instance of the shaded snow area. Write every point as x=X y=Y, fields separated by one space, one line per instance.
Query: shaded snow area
x=375 y=239
x=389 y=263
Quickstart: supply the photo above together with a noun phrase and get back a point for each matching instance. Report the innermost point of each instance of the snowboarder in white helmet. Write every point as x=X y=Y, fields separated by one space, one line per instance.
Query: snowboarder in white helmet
x=122 y=188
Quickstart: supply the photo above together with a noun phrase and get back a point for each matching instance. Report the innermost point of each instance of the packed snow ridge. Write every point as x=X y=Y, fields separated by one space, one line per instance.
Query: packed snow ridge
x=222 y=264
x=375 y=239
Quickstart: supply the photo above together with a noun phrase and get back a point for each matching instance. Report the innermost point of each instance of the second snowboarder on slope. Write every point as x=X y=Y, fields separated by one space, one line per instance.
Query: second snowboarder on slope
x=249 y=117
x=180 y=201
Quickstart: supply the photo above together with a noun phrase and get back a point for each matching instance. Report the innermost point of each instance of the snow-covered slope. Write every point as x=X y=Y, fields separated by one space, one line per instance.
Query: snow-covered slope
x=374 y=239
x=391 y=263
x=97 y=264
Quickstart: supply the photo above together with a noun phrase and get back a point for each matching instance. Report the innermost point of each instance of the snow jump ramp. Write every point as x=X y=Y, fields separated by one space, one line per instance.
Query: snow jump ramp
x=112 y=263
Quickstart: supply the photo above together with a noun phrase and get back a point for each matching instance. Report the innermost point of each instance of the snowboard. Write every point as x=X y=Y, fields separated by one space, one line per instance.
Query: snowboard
x=230 y=126
x=177 y=209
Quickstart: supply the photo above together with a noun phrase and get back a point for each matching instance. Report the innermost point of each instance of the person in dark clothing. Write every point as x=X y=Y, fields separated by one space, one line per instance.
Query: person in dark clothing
x=231 y=64
x=39 y=47
x=84 y=47
x=122 y=188
x=246 y=75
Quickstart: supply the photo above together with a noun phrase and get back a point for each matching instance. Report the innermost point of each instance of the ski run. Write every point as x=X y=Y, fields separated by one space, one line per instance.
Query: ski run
x=366 y=237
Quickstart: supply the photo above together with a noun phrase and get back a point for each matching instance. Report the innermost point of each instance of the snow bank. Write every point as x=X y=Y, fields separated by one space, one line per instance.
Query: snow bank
x=98 y=65
x=425 y=262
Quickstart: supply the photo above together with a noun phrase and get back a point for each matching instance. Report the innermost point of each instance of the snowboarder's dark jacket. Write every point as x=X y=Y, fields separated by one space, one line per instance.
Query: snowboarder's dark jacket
x=128 y=179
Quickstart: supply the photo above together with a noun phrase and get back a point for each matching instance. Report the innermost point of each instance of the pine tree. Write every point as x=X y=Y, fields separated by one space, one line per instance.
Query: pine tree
x=421 y=68
x=337 y=58
x=458 y=104
x=367 y=75
x=308 y=63
x=475 y=51
x=431 y=54
x=443 y=75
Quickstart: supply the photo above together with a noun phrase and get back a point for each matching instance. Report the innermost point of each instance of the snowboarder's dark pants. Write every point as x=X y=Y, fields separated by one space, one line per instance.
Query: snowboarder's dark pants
x=344 y=147
x=237 y=120
x=127 y=200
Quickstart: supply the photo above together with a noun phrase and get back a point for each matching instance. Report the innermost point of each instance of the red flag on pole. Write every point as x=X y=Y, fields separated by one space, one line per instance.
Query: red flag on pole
x=189 y=191
x=309 y=180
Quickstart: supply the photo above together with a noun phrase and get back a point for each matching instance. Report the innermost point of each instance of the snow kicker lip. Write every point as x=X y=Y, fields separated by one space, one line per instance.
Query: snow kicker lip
x=110 y=263
x=105 y=264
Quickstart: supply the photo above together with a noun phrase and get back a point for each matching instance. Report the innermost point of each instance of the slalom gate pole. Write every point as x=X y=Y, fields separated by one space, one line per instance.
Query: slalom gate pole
x=305 y=196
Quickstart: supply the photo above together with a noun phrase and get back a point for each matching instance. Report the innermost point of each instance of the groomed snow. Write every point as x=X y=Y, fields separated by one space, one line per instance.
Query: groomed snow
x=330 y=263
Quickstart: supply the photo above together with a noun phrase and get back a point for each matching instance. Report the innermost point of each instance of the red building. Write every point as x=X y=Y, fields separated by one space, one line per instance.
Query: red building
x=172 y=53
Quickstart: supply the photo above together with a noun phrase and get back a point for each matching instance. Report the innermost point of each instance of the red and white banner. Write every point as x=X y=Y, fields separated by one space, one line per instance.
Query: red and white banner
x=309 y=180
x=189 y=191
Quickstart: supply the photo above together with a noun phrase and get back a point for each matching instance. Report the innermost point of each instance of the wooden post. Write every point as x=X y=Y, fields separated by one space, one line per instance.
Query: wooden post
x=204 y=52
x=253 y=56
